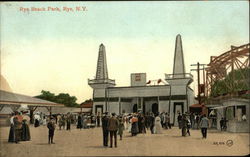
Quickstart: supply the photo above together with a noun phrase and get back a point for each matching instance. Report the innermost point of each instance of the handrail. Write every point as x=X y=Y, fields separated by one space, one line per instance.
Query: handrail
x=94 y=81
x=179 y=75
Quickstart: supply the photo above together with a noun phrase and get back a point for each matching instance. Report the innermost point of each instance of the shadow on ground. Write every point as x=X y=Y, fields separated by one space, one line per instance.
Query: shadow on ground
x=96 y=147
x=42 y=144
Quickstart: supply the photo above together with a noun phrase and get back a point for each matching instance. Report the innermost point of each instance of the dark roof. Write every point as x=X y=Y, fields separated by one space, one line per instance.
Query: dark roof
x=198 y=105
x=14 y=98
x=88 y=104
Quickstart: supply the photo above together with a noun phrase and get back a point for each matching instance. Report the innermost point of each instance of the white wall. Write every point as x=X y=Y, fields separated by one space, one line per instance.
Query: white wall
x=178 y=90
x=99 y=93
x=113 y=107
x=146 y=91
x=163 y=106
x=127 y=106
x=191 y=99
x=148 y=105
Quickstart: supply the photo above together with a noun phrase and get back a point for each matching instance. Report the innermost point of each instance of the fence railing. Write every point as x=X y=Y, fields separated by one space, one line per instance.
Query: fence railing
x=181 y=75
x=96 y=81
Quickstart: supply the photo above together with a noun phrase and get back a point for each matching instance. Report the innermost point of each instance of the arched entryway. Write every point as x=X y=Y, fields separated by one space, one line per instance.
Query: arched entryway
x=135 y=109
x=155 y=108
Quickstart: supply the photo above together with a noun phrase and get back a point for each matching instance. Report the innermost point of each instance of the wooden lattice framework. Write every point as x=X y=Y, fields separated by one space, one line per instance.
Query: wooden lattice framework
x=220 y=66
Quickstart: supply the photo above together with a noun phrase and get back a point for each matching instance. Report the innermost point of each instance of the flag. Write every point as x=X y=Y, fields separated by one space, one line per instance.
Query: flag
x=159 y=81
x=149 y=82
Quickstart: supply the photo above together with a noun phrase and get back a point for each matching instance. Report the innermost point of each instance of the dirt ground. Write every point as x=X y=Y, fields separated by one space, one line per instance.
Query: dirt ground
x=88 y=142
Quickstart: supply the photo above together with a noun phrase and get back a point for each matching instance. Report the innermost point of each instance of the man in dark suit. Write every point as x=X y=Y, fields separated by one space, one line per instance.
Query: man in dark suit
x=152 y=122
x=184 y=125
x=113 y=124
x=105 y=130
x=51 y=126
x=179 y=119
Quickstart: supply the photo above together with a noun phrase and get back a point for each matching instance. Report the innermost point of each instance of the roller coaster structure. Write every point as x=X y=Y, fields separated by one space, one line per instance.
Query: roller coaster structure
x=220 y=66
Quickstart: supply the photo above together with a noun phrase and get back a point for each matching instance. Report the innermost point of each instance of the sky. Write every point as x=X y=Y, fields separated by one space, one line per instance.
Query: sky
x=57 y=50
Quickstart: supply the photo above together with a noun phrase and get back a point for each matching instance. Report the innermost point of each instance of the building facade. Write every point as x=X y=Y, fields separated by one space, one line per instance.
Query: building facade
x=174 y=97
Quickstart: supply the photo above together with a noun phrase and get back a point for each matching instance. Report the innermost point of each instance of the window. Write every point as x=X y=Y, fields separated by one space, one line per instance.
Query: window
x=230 y=112
x=241 y=113
x=243 y=109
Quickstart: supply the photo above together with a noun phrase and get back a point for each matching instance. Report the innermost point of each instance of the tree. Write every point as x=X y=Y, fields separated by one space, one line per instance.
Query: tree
x=46 y=95
x=88 y=100
x=237 y=80
x=66 y=99
x=62 y=98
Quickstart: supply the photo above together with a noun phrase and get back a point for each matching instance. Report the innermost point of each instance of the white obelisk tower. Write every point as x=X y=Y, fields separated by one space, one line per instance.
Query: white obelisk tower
x=179 y=82
x=179 y=66
x=101 y=83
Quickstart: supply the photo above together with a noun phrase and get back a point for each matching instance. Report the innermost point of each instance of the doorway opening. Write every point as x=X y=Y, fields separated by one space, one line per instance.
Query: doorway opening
x=155 y=108
x=135 y=109
x=178 y=109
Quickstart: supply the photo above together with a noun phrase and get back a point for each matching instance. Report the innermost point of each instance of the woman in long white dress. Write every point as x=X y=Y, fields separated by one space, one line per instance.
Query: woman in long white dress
x=44 y=121
x=158 y=127
x=129 y=124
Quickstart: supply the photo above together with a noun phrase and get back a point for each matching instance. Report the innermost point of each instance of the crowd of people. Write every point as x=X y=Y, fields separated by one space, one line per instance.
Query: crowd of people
x=187 y=121
x=64 y=121
x=85 y=121
x=134 y=123
x=139 y=123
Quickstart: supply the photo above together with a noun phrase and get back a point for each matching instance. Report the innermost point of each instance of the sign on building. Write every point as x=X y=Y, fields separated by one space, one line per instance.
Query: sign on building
x=138 y=79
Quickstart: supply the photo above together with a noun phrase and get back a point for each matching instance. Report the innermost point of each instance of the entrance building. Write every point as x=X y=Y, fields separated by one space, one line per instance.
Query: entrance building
x=174 y=97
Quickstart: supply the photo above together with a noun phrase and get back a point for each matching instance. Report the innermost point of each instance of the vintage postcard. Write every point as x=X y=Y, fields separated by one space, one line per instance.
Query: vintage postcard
x=124 y=78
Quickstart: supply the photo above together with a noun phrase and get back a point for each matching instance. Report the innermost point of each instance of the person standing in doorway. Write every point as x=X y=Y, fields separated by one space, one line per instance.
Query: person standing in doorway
x=105 y=130
x=113 y=127
x=204 y=123
x=98 y=117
